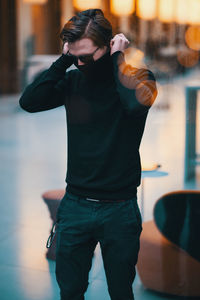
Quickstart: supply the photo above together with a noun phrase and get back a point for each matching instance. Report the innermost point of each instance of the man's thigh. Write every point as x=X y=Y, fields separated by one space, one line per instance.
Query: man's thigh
x=75 y=247
x=119 y=241
x=119 y=233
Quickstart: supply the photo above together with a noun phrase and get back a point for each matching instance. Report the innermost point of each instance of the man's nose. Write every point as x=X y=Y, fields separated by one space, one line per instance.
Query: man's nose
x=80 y=62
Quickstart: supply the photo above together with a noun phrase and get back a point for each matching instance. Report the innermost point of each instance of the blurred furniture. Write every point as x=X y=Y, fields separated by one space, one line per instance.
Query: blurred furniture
x=191 y=157
x=169 y=257
x=52 y=199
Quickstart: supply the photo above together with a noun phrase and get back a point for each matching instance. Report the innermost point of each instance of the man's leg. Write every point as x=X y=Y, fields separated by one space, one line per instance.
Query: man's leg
x=120 y=246
x=75 y=249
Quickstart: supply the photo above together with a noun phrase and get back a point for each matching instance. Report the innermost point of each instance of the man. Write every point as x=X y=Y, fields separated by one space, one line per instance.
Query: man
x=106 y=104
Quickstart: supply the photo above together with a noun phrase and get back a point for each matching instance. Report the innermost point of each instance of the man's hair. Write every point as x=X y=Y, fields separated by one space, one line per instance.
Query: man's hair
x=90 y=24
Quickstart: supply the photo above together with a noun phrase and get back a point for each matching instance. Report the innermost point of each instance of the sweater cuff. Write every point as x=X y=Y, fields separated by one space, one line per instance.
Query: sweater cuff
x=63 y=62
x=118 y=58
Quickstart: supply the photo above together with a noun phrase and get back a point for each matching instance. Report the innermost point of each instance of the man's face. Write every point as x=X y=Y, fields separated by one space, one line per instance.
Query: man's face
x=86 y=46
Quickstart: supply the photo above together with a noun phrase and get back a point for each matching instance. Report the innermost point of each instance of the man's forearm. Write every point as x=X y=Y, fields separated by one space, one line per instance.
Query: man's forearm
x=136 y=87
x=46 y=91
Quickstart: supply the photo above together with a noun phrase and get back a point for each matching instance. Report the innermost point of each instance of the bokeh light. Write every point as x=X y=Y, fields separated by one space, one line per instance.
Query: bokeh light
x=187 y=57
x=194 y=12
x=139 y=92
x=122 y=7
x=182 y=9
x=147 y=9
x=86 y=4
x=134 y=57
x=166 y=10
x=35 y=1
x=192 y=37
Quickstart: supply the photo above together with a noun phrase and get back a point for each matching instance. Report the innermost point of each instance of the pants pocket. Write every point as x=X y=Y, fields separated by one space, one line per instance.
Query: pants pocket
x=60 y=207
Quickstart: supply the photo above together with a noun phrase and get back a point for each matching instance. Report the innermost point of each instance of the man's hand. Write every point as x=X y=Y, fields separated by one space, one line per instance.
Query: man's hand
x=65 y=48
x=119 y=43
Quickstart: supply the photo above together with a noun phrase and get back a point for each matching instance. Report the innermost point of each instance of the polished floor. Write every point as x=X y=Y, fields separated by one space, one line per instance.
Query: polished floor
x=33 y=160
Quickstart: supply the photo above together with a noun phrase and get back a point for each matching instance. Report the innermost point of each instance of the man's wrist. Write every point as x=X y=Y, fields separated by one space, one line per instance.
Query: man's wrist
x=118 y=57
x=67 y=59
x=116 y=51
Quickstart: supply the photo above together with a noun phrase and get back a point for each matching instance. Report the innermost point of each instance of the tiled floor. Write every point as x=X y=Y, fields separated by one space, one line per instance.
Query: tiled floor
x=33 y=160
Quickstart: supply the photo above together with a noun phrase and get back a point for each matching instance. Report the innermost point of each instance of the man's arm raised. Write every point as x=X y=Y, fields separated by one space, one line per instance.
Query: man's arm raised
x=136 y=87
x=49 y=89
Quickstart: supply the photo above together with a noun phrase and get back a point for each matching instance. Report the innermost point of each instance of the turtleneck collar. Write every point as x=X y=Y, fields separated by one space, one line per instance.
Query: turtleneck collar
x=99 y=69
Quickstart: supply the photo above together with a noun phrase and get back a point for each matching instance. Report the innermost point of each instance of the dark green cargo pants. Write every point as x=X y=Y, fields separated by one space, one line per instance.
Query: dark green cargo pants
x=81 y=224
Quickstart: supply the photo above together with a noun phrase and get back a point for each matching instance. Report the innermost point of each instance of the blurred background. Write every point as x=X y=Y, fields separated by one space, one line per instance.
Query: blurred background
x=166 y=33
x=165 y=37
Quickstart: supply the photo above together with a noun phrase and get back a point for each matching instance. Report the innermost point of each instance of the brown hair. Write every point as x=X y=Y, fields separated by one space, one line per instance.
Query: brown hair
x=90 y=24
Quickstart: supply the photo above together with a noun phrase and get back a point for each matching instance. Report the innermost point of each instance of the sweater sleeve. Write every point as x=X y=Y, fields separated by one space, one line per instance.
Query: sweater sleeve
x=49 y=89
x=136 y=87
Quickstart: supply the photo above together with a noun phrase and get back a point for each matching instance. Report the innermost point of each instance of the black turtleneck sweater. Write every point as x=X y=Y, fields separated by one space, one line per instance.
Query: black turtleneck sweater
x=106 y=111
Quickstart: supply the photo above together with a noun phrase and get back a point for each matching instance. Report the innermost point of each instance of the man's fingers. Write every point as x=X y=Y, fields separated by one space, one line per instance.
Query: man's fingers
x=119 y=43
x=120 y=36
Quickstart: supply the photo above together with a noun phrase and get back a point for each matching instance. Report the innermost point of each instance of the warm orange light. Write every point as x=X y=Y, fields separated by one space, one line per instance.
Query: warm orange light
x=146 y=9
x=187 y=57
x=122 y=7
x=35 y=1
x=134 y=57
x=182 y=10
x=192 y=37
x=86 y=4
x=194 y=12
x=166 y=10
